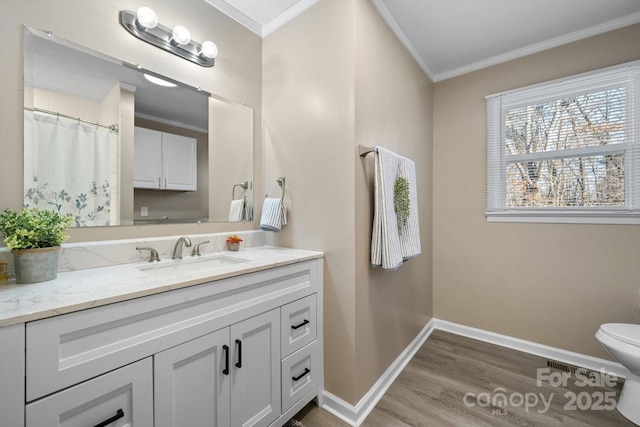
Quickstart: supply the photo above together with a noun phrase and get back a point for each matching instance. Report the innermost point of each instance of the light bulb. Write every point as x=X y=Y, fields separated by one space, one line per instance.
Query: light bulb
x=209 y=50
x=146 y=17
x=181 y=35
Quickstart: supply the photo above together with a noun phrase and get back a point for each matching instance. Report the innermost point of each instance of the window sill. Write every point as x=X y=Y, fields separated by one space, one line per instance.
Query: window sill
x=565 y=217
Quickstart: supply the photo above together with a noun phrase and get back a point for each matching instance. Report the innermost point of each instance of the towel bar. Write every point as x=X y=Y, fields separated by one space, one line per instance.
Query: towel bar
x=243 y=185
x=366 y=150
x=280 y=182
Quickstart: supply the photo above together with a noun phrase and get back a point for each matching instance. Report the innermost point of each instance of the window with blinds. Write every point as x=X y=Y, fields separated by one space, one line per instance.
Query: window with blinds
x=567 y=150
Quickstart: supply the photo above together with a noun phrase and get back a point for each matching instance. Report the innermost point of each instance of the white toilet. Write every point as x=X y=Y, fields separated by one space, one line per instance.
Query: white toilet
x=622 y=341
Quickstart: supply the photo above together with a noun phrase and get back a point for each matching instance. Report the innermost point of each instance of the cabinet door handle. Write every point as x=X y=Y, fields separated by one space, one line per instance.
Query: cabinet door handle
x=116 y=417
x=300 y=325
x=225 y=348
x=165 y=183
x=239 y=364
x=159 y=182
x=306 y=371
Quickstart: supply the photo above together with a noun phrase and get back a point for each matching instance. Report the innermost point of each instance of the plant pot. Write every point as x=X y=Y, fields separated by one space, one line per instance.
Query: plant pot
x=234 y=246
x=36 y=265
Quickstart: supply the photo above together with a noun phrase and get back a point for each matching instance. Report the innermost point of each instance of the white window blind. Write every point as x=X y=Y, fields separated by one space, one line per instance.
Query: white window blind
x=567 y=150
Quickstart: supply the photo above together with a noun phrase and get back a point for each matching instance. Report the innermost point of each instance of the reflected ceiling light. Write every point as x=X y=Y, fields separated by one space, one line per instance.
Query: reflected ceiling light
x=159 y=81
x=144 y=25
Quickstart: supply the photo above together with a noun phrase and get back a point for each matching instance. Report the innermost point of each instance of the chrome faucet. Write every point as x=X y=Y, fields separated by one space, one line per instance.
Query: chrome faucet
x=177 y=250
x=153 y=254
x=196 y=249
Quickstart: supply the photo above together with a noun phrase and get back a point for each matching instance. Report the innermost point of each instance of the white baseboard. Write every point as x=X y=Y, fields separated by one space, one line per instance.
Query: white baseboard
x=355 y=415
x=576 y=359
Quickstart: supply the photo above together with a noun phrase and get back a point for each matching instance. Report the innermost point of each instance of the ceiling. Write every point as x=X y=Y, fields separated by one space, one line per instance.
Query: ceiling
x=452 y=37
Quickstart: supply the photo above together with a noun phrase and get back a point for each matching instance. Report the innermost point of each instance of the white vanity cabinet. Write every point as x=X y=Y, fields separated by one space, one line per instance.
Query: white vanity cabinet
x=216 y=380
x=192 y=383
x=12 y=375
x=164 y=161
x=119 y=398
x=240 y=351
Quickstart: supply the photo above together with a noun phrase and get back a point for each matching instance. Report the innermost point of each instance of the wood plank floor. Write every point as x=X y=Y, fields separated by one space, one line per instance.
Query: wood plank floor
x=451 y=378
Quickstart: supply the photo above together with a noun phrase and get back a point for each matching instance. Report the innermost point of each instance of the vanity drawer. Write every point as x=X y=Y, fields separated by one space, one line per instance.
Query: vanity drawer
x=300 y=374
x=71 y=348
x=298 y=324
x=124 y=396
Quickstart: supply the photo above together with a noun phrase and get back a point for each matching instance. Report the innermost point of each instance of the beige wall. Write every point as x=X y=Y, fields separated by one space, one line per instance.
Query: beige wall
x=336 y=77
x=237 y=76
x=549 y=283
x=392 y=109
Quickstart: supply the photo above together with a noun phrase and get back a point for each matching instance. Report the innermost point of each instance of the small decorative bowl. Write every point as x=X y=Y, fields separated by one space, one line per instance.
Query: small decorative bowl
x=234 y=246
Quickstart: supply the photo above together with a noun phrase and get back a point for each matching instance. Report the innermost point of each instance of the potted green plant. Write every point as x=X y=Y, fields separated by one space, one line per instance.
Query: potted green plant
x=34 y=237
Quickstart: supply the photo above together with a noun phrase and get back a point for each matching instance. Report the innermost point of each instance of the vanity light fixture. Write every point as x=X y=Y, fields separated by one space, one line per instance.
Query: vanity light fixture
x=144 y=25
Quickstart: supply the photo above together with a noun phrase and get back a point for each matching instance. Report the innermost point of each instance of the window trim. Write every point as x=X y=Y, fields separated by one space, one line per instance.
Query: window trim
x=497 y=104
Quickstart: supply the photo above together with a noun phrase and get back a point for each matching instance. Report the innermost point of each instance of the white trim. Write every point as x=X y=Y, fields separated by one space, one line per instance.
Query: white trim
x=402 y=36
x=554 y=353
x=171 y=122
x=286 y=16
x=355 y=415
x=236 y=15
x=269 y=27
x=539 y=47
x=615 y=218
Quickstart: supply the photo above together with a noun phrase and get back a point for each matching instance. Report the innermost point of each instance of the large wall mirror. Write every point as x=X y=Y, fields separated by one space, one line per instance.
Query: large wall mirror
x=114 y=144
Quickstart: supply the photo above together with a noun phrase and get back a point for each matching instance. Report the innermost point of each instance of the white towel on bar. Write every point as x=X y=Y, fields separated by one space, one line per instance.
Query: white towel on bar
x=274 y=214
x=393 y=243
x=236 y=210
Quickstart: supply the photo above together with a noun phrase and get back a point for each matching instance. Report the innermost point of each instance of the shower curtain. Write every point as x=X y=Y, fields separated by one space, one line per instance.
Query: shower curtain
x=71 y=167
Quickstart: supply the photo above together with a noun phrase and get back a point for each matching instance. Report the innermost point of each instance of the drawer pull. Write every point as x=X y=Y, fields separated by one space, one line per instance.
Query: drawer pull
x=239 y=364
x=299 y=377
x=225 y=348
x=300 y=325
x=116 y=417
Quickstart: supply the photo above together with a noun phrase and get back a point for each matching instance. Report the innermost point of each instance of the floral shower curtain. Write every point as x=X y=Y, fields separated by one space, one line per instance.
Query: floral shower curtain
x=71 y=167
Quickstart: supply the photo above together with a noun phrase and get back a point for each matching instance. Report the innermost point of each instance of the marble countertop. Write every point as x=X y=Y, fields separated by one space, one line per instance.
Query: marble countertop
x=82 y=289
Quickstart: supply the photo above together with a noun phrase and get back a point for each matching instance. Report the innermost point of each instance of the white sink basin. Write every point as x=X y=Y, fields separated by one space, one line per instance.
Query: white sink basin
x=190 y=265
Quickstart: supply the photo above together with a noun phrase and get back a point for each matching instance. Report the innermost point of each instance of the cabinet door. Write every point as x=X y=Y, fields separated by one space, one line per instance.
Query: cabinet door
x=191 y=383
x=180 y=168
x=147 y=158
x=255 y=380
x=123 y=397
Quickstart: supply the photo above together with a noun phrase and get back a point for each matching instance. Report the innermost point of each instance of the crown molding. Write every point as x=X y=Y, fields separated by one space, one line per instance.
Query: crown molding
x=404 y=39
x=269 y=27
x=236 y=15
x=286 y=16
x=542 y=46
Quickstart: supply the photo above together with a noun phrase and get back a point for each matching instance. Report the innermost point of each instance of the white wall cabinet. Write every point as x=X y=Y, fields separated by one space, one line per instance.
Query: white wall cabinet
x=243 y=351
x=164 y=161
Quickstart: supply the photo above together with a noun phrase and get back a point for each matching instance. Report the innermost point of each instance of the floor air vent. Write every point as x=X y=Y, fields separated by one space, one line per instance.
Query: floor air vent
x=564 y=367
